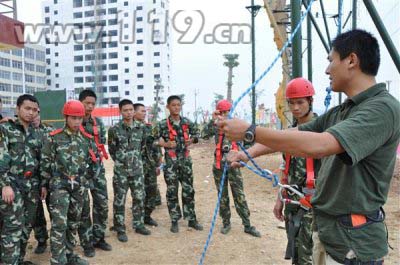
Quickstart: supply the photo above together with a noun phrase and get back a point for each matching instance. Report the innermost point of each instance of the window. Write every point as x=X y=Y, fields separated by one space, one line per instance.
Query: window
x=78 y=47
x=112 y=33
x=17 y=76
x=125 y=3
x=48 y=72
x=140 y=64
x=55 y=12
x=29 y=89
x=56 y=54
x=40 y=69
x=47 y=9
x=56 y=64
x=40 y=56
x=101 y=2
x=126 y=70
x=156 y=42
x=139 y=42
x=47 y=51
x=57 y=75
x=113 y=44
x=47 y=62
x=5 y=87
x=157 y=76
x=140 y=87
x=30 y=53
x=48 y=82
x=114 y=100
x=139 y=19
x=126 y=26
x=55 y=2
x=157 y=54
x=126 y=59
x=156 y=65
x=78 y=80
x=112 y=22
x=126 y=14
x=29 y=78
x=139 y=75
x=78 y=69
x=89 y=2
x=139 y=8
x=18 y=89
x=101 y=12
x=113 y=88
x=126 y=82
x=113 y=66
x=140 y=98
x=113 y=78
x=89 y=13
x=102 y=89
x=89 y=57
x=17 y=52
x=139 y=30
x=139 y=53
x=77 y=3
x=113 y=55
x=89 y=79
x=78 y=58
x=5 y=74
x=126 y=48
x=5 y=62
x=88 y=68
x=127 y=93
x=112 y=1
x=15 y=64
x=29 y=67
x=89 y=46
x=40 y=80
x=112 y=11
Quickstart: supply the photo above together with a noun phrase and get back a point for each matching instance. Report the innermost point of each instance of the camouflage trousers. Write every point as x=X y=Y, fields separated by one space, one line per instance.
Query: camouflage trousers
x=40 y=228
x=235 y=180
x=65 y=210
x=151 y=188
x=87 y=232
x=303 y=239
x=18 y=219
x=180 y=171
x=121 y=184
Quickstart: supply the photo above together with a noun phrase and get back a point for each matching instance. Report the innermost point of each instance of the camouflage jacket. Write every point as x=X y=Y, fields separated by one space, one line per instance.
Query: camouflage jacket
x=162 y=131
x=66 y=154
x=152 y=152
x=88 y=126
x=19 y=154
x=42 y=131
x=126 y=144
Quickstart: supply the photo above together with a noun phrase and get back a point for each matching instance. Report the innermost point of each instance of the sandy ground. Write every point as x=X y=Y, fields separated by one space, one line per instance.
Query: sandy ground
x=164 y=247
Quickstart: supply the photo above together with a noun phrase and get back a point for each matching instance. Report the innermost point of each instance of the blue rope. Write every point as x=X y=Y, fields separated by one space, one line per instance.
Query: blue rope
x=221 y=186
x=235 y=104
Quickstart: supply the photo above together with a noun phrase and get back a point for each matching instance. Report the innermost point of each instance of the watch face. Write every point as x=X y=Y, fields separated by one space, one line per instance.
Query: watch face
x=249 y=137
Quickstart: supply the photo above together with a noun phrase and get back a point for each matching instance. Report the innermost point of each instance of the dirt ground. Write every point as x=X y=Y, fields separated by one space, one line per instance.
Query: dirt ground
x=164 y=247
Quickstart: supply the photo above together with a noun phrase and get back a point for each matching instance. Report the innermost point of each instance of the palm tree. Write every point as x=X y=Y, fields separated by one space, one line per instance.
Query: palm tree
x=230 y=63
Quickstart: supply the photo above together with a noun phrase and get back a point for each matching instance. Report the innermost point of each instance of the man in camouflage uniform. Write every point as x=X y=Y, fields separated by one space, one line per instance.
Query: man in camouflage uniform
x=93 y=236
x=40 y=226
x=125 y=144
x=19 y=163
x=68 y=156
x=176 y=133
x=234 y=177
x=152 y=159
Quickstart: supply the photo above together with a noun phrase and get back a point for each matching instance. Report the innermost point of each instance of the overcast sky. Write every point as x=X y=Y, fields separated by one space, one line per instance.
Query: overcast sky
x=200 y=65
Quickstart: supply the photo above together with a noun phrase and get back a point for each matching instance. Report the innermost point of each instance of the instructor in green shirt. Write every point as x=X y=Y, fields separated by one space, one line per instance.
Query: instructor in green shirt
x=356 y=142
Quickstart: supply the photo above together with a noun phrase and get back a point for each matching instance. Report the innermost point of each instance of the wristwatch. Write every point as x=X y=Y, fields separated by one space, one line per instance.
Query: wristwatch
x=250 y=134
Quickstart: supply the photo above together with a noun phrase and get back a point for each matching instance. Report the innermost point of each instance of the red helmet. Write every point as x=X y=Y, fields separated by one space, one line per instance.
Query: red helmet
x=74 y=108
x=299 y=88
x=224 y=105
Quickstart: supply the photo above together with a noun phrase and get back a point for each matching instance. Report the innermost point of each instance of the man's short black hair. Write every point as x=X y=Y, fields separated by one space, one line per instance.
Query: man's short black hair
x=137 y=105
x=124 y=102
x=87 y=93
x=173 y=97
x=364 y=45
x=24 y=97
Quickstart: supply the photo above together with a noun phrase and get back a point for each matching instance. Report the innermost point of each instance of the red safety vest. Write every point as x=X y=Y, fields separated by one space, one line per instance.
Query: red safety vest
x=91 y=152
x=172 y=136
x=100 y=146
x=218 y=151
x=310 y=181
